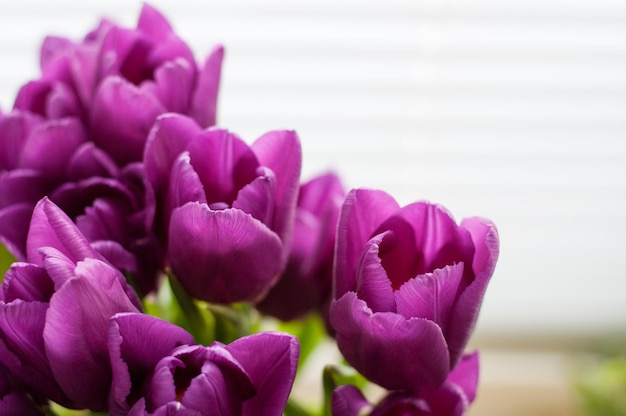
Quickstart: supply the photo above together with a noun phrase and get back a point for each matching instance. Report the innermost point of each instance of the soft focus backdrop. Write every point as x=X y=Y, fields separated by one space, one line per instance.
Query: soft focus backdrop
x=512 y=110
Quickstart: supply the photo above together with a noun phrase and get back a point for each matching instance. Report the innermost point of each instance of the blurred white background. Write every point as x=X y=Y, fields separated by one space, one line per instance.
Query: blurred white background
x=515 y=111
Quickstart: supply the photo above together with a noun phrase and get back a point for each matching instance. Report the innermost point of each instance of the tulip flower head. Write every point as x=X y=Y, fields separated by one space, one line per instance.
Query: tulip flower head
x=408 y=287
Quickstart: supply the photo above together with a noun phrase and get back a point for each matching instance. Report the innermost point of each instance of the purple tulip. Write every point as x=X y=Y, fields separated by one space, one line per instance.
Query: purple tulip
x=409 y=283
x=252 y=376
x=113 y=207
x=452 y=398
x=14 y=400
x=119 y=80
x=54 y=314
x=228 y=207
x=305 y=285
x=136 y=343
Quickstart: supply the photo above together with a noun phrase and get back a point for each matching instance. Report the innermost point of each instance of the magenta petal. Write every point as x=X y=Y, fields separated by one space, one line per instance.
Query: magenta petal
x=270 y=360
x=153 y=23
x=388 y=349
x=204 y=102
x=348 y=401
x=88 y=161
x=373 y=285
x=51 y=145
x=14 y=130
x=172 y=85
x=14 y=221
x=76 y=331
x=222 y=256
x=21 y=185
x=281 y=152
x=27 y=282
x=210 y=390
x=431 y=296
x=257 y=198
x=465 y=313
x=224 y=163
x=465 y=375
x=361 y=214
x=167 y=139
x=32 y=97
x=121 y=119
x=52 y=48
x=136 y=343
x=51 y=227
x=184 y=185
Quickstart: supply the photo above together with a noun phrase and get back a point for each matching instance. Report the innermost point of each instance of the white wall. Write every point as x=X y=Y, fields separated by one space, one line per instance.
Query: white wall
x=512 y=110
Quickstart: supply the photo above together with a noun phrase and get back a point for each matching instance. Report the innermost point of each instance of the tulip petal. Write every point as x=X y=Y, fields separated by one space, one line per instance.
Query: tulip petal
x=52 y=227
x=448 y=399
x=465 y=313
x=153 y=23
x=136 y=343
x=428 y=239
x=27 y=282
x=212 y=390
x=51 y=145
x=88 y=161
x=204 y=101
x=361 y=214
x=14 y=221
x=348 y=401
x=373 y=285
x=465 y=375
x=14 y=130
x=272 y=372
x=257 y=198
x=172 y=85
x=184 y=185
x=222 y=256
x=224 y=163
x=388 y=349
x=281 y=152
x=32 y=97
x=121 y=119
x=431 y=296
x=77 y=325
x=21 y=185
x=167 y=139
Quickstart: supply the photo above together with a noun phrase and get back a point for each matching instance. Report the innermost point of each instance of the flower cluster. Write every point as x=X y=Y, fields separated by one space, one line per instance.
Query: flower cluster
x=153 y=249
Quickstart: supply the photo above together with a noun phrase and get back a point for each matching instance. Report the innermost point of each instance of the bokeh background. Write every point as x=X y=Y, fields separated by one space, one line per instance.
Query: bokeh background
x=515 y=111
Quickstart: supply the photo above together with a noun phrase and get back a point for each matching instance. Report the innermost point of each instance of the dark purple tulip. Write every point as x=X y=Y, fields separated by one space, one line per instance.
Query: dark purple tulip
x=252 y=376
x=14 y=400
x=119 y=80
x=452 y=398
x=305 y=285
x=409 y=283
x=230 y=206
x=55 y=310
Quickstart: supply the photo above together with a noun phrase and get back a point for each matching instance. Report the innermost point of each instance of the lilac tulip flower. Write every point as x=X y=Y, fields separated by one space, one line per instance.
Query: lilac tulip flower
x=228 y=207
x=119 y=80
x=55 y=311
x=452 y=398
x=14 y=400
x=305 y=285
x=252 y=376
x=409 y=283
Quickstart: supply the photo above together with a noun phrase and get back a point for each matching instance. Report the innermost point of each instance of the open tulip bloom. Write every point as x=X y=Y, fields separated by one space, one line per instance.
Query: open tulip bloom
x=151 y=253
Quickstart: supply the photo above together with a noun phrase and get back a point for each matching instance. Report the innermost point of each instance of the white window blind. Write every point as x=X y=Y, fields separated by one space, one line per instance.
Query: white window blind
x=512 y=110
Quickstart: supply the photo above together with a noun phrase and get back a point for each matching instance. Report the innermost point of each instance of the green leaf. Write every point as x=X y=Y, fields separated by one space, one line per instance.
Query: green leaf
x=603 y=389
x=309 y=331
x=6 y=259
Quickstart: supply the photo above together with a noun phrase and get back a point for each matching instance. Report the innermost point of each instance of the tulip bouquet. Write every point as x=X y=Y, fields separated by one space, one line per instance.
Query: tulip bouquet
x=150 y=248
